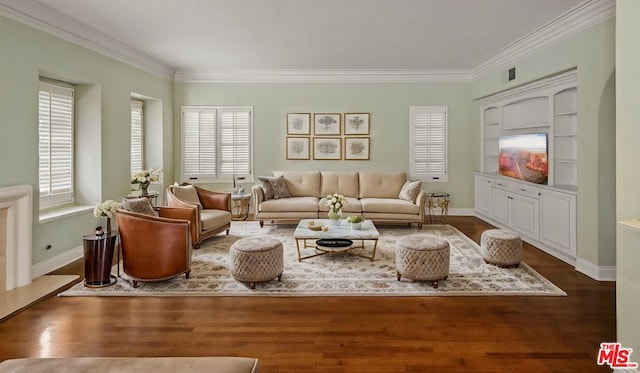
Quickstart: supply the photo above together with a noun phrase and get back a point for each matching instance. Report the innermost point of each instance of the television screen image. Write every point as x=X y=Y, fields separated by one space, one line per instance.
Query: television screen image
x=524 y=157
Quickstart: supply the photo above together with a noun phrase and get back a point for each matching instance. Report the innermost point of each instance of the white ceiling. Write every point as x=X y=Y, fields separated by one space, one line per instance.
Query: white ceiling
x=313 y=40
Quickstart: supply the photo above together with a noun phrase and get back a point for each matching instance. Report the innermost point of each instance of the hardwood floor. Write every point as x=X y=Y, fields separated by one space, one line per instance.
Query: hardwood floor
x=337 y=334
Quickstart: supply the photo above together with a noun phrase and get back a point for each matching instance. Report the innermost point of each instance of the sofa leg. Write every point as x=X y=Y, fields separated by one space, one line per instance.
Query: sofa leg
x=228 y=229
x=135 y=283
x=196 y=246
x=419 y=225
x=187 y=274
x=261 y=223
x=252 y=285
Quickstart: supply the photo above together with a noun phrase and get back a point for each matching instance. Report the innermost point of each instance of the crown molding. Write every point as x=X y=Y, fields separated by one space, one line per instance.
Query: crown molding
x=578 y=19
x=322 y=76
x=43 y=18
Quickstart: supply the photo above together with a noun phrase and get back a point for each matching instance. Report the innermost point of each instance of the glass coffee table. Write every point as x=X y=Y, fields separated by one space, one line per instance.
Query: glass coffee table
x=304 y=233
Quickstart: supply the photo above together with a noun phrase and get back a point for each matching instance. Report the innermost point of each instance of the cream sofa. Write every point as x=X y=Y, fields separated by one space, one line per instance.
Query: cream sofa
x=374 y=195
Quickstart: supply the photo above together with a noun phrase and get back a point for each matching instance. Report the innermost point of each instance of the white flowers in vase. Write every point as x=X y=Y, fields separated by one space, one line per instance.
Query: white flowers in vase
x=145 y=177
x=335 y=202
x=106 y=209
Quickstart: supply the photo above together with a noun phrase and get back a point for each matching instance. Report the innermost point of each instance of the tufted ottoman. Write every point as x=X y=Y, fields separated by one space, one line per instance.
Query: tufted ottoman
x=501 y=247
x=256 y=259
x=423 y=257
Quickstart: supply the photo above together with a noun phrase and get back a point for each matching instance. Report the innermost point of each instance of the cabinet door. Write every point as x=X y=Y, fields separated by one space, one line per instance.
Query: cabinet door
x=501 y=206
x=558 y=221
x=525 y=215
x=482 y=194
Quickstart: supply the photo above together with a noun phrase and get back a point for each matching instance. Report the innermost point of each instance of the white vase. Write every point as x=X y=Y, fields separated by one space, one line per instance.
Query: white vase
x=335 y=217
x=357 y=225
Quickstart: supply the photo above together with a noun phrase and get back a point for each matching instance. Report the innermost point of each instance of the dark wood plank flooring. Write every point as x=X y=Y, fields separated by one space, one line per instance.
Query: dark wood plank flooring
x=337 y=334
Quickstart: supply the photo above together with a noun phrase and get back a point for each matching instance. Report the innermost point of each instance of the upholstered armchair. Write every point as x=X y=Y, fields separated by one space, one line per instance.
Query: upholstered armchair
x=212 y=210
x=155 y=248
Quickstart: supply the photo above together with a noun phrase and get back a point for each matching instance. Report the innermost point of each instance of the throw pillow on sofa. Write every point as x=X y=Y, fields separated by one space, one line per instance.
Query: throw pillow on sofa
x=267 y=189
x=187 y=193
x=280 y=189
x=410 y=190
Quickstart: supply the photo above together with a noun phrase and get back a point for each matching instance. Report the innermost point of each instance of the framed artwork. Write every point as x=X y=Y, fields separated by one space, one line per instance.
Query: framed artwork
x=327 y=148
x=357 y=148
x=298 y=123
x=356 y=123
x=326 y=124
x=298 y=148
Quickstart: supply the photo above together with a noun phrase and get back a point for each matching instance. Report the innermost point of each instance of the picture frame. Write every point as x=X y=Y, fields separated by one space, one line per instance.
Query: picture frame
x=327 y=124
x=357 y=123
x=357 y=148
x=298 y=123
x=298 y=148
x=327 y=148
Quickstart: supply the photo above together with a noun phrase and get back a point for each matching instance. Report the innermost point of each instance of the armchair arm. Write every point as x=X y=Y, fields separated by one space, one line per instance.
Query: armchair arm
x=214 y=200
x=186 y=211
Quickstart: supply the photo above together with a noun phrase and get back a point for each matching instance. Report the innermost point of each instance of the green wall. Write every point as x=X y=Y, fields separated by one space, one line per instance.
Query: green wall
x=388 y=104
x=28 y=53
x=628 y=177
x=592 y=52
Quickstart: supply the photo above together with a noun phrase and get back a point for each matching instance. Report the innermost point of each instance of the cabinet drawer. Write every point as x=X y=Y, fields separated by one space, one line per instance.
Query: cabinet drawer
x=525 y=190
x=501 y=184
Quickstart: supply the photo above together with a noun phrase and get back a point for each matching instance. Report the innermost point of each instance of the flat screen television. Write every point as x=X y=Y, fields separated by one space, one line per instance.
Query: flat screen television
x=524 y=157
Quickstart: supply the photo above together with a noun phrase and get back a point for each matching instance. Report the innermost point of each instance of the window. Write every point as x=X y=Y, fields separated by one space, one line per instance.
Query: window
x=137 y=137
x=428 y=143
x=216 y=143
x=55 y=145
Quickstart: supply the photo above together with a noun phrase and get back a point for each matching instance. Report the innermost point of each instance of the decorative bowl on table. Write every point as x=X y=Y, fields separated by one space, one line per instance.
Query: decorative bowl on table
x=355 y=221
x=314 y=227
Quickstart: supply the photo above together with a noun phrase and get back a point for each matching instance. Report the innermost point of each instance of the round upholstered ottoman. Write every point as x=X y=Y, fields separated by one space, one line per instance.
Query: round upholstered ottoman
x=423 y=257
x=256 y=259
x=501 y=247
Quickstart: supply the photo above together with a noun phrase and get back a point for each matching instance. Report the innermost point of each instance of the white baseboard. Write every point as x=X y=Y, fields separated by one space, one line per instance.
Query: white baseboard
x=596 y=272
x=51 y=264
x=461 y=212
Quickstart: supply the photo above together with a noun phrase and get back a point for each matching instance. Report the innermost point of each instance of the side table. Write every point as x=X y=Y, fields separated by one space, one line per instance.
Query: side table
x=240 y=206
x=438 y=205
x=98 y=256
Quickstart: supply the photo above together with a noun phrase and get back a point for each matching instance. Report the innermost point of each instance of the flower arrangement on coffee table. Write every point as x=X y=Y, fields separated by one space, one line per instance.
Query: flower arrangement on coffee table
x=335 y=202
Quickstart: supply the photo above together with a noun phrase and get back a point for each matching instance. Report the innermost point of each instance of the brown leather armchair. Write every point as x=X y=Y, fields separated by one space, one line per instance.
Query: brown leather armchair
x=212 y=210
x=155 y=248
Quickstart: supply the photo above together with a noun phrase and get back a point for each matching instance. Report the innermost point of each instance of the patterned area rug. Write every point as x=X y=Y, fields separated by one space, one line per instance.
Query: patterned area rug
x=337 y=274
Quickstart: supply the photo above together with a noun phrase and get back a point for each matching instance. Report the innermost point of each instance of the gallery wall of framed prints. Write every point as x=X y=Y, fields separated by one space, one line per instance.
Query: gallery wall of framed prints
x=328 y=136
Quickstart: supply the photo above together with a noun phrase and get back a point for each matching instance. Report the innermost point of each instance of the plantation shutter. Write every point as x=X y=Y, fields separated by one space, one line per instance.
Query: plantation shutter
x=234 y=142
x=198 y=143
x=137 y=137
x=55 y=145
x=428 y=143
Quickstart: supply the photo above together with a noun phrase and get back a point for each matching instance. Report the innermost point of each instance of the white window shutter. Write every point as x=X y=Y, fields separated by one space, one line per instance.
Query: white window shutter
x=55 y=145
x=137 y=137
x=428 y=143
x=216 y=143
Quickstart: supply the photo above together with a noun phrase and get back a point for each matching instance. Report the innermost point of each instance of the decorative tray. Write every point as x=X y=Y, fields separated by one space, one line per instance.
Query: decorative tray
x=315 y=227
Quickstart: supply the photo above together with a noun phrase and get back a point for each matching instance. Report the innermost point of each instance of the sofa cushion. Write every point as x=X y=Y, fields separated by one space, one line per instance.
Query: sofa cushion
x=267 y=189
x=212 y=219
x=352 y=205
x=410 y=190
x=389 y=205
x=280 y=189
x=140 y=205
x=187 y=193
x=300 y=204
x=301 y=183
x=381 y=184
x=345 y=183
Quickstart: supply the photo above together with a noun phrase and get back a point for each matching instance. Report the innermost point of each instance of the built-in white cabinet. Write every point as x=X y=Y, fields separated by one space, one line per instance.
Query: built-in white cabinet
x=543 y=216
x=482 y=194
x=490 y=134
x=558 y=221
x=565 y=138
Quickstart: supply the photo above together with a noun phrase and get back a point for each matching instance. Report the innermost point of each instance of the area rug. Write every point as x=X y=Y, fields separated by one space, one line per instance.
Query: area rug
x=337 y=274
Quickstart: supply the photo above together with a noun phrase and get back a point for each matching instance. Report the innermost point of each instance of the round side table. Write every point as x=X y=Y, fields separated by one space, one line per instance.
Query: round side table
x=438 y=205
x=98 y=256
x=240 y=206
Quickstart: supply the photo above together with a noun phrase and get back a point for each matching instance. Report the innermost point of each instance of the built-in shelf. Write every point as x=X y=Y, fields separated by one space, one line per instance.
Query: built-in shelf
x=565 y=114
x=634 y=223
